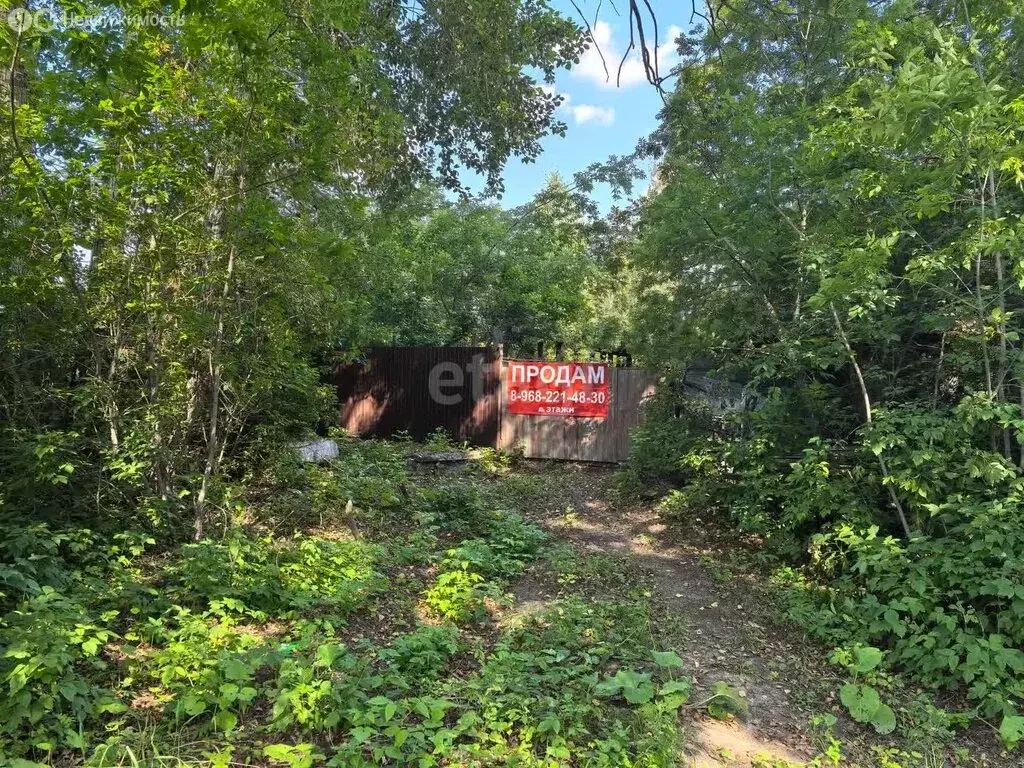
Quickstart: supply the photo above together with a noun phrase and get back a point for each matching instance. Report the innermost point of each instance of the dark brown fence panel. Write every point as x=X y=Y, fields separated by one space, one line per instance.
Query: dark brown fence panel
x=391 y=393
x=581 y=439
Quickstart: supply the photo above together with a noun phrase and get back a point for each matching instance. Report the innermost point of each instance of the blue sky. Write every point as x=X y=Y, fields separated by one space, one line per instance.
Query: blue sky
x=602 y=119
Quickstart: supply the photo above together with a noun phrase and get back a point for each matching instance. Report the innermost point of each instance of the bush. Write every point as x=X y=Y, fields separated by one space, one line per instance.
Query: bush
x=750 y=486
x=289 y=495
x=460 y=510
x=53 y=671
x=460 y=595
x=204 y=669
x=947 y=605
x=949 y=608
x=504 y=555
x=551 y=682
x=327 y=572
x=672 y=427
x=34 y=556
x=475 y=570
x=372 y=474
x=421 y=654
x=245 y=574
x=37 y=473
x=318 y=690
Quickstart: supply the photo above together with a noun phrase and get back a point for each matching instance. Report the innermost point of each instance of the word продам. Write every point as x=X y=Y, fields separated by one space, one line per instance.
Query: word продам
x=557 y=389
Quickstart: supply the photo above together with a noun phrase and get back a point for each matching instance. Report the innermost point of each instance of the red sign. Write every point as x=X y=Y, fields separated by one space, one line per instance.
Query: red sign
x=557 y=389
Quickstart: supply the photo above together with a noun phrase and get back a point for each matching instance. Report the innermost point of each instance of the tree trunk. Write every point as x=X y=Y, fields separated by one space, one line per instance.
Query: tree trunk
x=213 y=419
x=866 y=400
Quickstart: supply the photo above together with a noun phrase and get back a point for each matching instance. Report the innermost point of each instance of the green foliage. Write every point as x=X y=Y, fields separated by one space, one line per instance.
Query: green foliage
x=503 y=555
x=189 y=236
x=237 y=649
x=1011 y=730
x=838 y=210
x=541 y=681
x=249 y=574
x=421 y=654
x=34 y=556
x=294 y=756
x=639 y=688
x=673 y=427
x=865 y=706
x=762 y=492
x=319 y=685
x=202 y=218
x=461 y=273
x=459 y=595
x=941 y=458
x=201 y=669
x=491 y=461
x=473 y=573
x=372 y=476
x=51 y=654
x=634 y=687
x=439 y=441
x=39 y=467
x=946 y=605
x=460 y=509
x=862 y=700
x=943 y=603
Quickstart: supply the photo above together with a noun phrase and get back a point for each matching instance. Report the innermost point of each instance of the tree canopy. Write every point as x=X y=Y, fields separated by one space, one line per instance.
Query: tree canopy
x=192 y=209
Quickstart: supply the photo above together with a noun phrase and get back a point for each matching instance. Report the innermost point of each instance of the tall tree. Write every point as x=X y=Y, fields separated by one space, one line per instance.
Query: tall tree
x=179 y=201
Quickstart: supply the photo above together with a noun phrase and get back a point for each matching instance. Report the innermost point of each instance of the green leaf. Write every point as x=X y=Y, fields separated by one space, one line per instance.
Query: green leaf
x=298 y=756
x=607 y=688
x=639 y=694
x=725 y=701
x=549 y=724
x=225 y=721
x=1011 y=731
x=75 y=739
x=361 y=733
x=635 y=687
x=221 y=759
x=326 y=654
x=862 y=701
x=234 y=669
x=884 y=719
x=192 y=705
x=867 y=658
x=669 y=659
x=675 y=693
x=676 y=687
x=113 y=707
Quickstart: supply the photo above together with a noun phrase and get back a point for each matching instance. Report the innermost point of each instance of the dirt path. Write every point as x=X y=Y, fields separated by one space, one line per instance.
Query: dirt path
x=732 y=637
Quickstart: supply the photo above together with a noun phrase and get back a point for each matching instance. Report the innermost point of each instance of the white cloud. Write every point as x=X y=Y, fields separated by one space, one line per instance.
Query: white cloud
x=585 y=113
x=632 y=73
x=581 y=113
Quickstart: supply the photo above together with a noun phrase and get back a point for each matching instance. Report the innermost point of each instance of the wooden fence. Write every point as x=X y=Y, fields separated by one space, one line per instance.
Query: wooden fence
x=573 y=438
x=391 y=392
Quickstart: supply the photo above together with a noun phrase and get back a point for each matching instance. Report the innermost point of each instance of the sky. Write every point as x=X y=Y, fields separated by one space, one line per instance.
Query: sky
x=602 y=118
